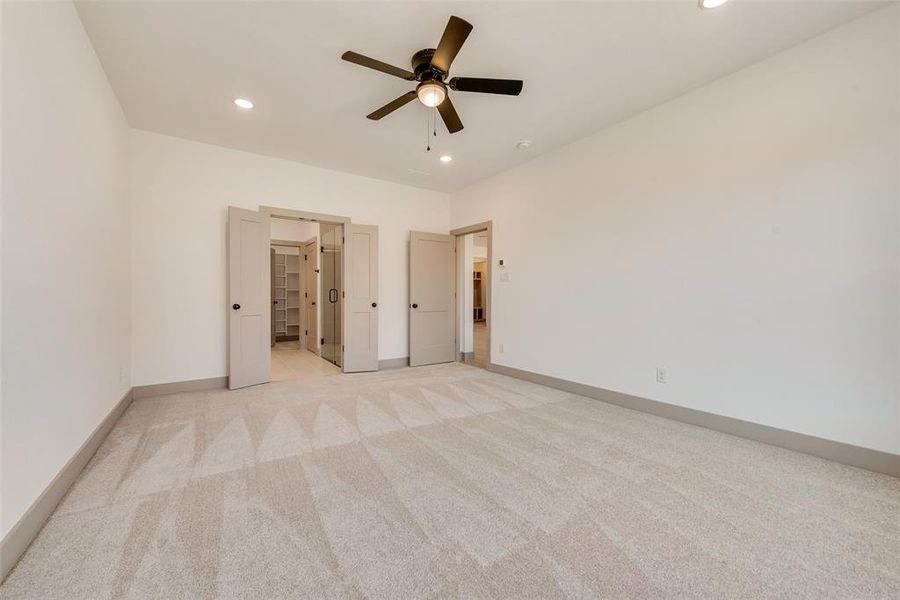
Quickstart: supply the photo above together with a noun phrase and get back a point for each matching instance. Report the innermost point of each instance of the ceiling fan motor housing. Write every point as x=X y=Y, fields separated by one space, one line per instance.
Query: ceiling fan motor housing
x=421 y=64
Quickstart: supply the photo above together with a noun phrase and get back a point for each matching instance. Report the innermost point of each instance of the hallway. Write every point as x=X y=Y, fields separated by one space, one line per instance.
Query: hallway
x=290 y=360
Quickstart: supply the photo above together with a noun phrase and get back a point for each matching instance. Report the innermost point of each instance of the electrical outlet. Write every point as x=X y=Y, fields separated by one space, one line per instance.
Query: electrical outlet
x=661 y=375
x=501 y=348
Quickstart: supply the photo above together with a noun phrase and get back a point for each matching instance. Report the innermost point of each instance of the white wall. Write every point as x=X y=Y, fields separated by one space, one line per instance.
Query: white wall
x=745 y=236
x=180 y=191
x=287 y=250
x=66 y=295
x=292 y=230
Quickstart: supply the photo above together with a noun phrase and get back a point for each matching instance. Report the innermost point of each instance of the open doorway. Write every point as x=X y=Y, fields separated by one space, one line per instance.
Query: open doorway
x=346 y=320
x=306 y=296
x=473 y=294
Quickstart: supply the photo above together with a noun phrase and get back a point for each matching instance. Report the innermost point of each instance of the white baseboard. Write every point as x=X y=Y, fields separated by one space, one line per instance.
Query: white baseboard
x=17 y=539
x=179 y=387
x=848 y=454
x=393 y=363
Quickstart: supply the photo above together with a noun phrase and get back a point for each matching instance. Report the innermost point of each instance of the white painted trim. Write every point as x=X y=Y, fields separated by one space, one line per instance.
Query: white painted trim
x=17 y=539
x=848 y=454
x=487 y=226
x=180 y=387
x=393 y=363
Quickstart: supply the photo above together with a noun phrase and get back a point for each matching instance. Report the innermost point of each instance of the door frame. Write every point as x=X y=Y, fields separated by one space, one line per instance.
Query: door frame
x=273 y=333
x=301 y=215
x=487 y=226
x=314 y=241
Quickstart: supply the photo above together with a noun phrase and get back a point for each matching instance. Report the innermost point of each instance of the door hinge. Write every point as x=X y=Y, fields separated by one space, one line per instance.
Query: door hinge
x=305 y=256
x=342 y=347
x=306 y=332
x=305 y=295
x=343 y=294
x=322 y=249
x=323 y=341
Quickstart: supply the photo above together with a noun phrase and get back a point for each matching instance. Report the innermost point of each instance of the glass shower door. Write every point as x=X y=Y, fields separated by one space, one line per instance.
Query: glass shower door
x=332 y=292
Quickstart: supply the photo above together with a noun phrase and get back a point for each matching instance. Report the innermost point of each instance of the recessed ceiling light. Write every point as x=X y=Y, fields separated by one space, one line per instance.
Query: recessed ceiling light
x=712 y=3
x=446 y=158
x=243 y=103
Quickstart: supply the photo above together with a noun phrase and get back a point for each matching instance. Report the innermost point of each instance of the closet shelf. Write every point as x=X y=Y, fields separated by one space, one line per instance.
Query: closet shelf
x=286 y=286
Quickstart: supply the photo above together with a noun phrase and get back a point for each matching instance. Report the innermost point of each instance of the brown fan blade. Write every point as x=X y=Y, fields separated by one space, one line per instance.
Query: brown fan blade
x=371 y=63
x=455 y=34
x=509 y=87
x=392 y=106
x=448 y=114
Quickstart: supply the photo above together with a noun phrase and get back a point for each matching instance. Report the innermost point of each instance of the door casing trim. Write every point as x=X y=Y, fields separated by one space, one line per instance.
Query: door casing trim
x=302 y=215
x=487 y=226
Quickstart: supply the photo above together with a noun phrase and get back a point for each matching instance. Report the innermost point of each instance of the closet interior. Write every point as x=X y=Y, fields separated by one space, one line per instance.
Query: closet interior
x=286 y=302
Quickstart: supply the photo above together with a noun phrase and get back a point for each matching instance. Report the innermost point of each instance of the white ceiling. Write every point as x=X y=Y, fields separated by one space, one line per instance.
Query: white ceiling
x=177 y=66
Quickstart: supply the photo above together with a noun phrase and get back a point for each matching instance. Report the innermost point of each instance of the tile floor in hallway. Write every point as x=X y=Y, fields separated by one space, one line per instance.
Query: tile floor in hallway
x=449 y=481
x=479 y=357
x=290 y=360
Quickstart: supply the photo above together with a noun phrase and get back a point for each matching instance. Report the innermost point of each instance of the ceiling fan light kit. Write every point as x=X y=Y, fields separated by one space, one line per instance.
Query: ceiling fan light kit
x=431 y=93
x=711 y=3
x=431 y=68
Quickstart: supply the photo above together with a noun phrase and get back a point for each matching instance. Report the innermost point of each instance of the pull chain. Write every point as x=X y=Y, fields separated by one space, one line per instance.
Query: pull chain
x=430 y=123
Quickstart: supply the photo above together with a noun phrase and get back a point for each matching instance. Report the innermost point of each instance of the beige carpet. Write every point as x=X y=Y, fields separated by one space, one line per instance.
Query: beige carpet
x=448 y=482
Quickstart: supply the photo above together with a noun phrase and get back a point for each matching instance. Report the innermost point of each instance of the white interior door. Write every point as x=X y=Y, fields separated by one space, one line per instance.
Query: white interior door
x=310 y=294
x=432 y=322
x=249 y=312
x=361 y=337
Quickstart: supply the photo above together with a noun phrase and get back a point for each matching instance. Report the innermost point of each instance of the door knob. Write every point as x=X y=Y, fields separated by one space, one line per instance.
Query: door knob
x=236 y=306
x=415 y=305
x=313 y=303
x=374 y=304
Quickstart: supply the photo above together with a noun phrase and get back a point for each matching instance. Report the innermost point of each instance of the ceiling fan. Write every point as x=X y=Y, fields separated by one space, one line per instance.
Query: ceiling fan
x=431 y=67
